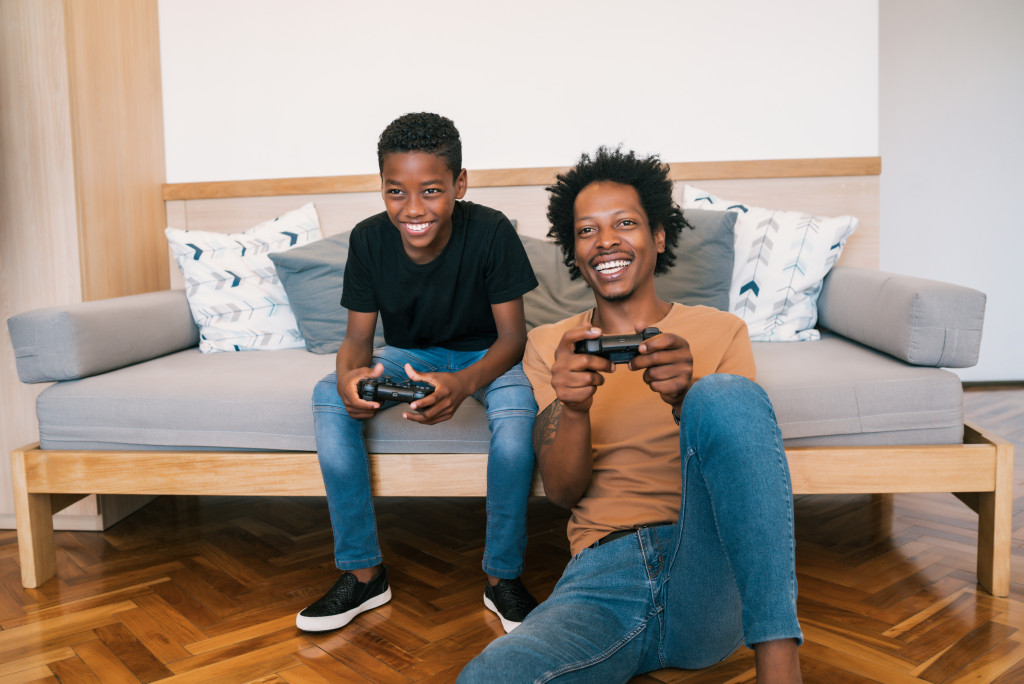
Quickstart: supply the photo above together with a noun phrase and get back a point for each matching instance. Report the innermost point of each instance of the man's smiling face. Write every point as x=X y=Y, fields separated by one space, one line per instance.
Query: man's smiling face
x=615 y=249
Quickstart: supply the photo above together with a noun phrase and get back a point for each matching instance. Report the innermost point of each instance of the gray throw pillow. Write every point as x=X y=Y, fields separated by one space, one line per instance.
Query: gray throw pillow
x=313 y=275
x=704 y=261
x=702 y=273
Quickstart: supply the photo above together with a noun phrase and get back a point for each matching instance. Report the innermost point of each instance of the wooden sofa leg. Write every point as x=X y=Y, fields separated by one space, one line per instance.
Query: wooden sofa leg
x=995 y=519
x=34 y=514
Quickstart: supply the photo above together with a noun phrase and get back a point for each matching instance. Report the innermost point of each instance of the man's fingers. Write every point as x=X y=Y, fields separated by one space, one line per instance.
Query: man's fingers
x=567 y=344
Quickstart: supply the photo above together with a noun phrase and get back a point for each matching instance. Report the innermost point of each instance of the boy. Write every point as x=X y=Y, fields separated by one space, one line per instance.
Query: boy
x=672 y=465
x=447 y=278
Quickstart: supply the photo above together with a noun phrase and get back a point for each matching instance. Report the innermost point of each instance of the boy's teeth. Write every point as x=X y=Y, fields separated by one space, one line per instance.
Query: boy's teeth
x=611 y=266
x=417 y=227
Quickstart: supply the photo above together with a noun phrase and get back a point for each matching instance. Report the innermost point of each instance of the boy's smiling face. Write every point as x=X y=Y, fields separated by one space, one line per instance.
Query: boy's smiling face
x=419 y=195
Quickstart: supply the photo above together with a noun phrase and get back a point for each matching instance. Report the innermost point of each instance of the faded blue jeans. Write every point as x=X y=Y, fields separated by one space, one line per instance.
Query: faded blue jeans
x=511 y=410
x=683 y=595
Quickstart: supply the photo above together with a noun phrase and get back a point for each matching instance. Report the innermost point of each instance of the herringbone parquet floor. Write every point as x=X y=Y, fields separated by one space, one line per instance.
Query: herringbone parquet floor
x=205 y=590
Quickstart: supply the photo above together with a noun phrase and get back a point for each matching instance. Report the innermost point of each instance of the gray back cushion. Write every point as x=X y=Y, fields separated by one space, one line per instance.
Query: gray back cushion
x=313 y=275
x=702 y=273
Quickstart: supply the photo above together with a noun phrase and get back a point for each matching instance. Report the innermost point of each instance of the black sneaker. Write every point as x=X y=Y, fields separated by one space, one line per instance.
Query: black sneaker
x=510 y=600
x=342 y=602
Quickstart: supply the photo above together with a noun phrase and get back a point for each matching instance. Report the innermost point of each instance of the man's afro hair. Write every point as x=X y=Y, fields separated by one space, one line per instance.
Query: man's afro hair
x=422 y=132
x=648 y=175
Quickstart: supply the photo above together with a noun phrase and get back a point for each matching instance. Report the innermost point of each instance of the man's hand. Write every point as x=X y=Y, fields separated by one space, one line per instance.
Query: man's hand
x=348 y=390
x=576 y=377
x=668 y=367
x=440 y=405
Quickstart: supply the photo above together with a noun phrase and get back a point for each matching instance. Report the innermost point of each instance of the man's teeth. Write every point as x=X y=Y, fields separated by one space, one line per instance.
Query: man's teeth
x=611 y=266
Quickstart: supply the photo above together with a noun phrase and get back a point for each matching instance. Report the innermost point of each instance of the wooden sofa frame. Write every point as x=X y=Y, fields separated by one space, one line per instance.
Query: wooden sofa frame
x=979 y=471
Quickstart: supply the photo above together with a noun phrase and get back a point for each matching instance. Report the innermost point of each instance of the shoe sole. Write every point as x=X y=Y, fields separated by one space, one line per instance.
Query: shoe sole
x=329 y=622
x=507 y=624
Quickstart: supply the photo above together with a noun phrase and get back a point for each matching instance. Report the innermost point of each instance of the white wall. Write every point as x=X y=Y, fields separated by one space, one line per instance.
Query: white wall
x=952 y=145
x=271 y=89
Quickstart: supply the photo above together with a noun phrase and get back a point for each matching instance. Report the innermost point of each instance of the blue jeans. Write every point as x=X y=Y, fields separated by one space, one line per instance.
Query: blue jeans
x=682 y=595
x=511 y=410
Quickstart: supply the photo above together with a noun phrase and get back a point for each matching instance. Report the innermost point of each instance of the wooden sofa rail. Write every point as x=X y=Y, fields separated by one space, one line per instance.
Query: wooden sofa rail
x=979 y=472
x=497 y=178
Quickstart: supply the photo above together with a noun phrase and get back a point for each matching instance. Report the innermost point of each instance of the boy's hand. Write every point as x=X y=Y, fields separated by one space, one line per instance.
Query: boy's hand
x=668 y=367
x=576 y=377
x=441 y=404
x=348 y=390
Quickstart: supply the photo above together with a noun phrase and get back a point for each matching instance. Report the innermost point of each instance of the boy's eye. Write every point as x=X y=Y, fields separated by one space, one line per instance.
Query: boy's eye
x=393 y=191
x=431 y=191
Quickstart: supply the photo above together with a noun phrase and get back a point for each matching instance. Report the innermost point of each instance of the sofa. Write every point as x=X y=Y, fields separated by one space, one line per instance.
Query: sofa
x=865 y=405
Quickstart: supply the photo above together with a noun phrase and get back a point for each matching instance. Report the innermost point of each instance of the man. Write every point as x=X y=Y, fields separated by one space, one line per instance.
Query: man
x=673 y=465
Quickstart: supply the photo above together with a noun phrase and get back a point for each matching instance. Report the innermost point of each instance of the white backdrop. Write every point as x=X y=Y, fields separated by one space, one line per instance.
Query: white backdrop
x=952 y=140
x=273 y=89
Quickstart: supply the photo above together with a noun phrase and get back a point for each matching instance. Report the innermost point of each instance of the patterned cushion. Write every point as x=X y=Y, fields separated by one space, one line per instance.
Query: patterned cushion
x=233 y=290
x=780 y=262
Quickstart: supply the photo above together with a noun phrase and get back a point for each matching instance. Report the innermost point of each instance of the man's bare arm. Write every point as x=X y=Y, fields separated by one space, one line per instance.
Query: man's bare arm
x=561 y=440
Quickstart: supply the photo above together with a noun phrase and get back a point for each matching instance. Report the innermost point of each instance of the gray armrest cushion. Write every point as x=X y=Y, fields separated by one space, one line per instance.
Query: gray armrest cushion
x=79 y=340
x=923 y=322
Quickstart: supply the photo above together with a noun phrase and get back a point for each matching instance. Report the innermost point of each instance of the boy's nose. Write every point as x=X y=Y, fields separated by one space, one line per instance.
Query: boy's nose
x=414 y=207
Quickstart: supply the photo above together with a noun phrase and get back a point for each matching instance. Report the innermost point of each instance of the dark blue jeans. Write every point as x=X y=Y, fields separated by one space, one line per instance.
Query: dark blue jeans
x=683 y=595
x=511 y=410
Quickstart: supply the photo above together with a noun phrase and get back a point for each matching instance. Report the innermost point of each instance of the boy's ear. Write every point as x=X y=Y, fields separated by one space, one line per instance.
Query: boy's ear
x=461 y=184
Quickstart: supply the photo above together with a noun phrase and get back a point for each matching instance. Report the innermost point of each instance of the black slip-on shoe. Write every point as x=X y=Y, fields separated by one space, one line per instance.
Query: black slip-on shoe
x=510 y=600
x=346 y=599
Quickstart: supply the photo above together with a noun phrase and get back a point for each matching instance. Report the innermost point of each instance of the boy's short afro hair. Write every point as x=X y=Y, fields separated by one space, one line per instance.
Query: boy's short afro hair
x=647 y=175
x=422 y=132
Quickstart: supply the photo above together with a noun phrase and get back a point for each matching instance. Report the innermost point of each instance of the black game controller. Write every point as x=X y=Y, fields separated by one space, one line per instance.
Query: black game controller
x=616 y=348
x=386 y=389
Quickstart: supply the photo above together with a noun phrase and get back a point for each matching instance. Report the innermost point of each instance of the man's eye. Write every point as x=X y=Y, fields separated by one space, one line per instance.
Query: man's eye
x=628 y=222
x=584 y=230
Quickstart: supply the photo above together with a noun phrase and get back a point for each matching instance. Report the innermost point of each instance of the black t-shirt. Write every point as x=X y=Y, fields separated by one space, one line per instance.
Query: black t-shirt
x=444 y=303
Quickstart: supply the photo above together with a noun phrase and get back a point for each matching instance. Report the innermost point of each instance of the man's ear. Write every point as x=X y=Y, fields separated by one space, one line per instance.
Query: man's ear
x=461 y=184
x=659 y=238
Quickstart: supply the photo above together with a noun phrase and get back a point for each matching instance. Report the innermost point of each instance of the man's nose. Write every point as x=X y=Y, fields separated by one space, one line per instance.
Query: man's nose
x=607 y=236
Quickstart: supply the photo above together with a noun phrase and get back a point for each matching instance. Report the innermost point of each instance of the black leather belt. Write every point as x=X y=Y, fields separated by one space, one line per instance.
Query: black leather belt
x=617 y=534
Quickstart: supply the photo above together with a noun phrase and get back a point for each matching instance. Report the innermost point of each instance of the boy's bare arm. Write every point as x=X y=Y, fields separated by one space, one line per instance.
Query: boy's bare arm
x=453 y=388
x=353 y=360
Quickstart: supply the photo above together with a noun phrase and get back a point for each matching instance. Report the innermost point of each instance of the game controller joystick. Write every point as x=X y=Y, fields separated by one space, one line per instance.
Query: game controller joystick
x=386 y=389
x=616 y=348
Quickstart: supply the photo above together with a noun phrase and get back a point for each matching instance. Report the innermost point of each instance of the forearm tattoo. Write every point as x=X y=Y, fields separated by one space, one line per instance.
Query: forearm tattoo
x=546 y=425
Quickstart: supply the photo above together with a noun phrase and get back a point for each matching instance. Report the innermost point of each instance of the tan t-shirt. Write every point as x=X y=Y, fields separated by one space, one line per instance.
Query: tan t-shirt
x=637 y=478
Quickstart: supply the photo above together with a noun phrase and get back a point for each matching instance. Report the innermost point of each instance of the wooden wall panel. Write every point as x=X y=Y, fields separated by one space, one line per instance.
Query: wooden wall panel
x=117 y=124
x=81 y=170
x=38 y=230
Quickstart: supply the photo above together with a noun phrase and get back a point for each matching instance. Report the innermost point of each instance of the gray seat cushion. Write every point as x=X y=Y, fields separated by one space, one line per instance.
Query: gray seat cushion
x=828 y=392
x=833 y=392
x=241 y=400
